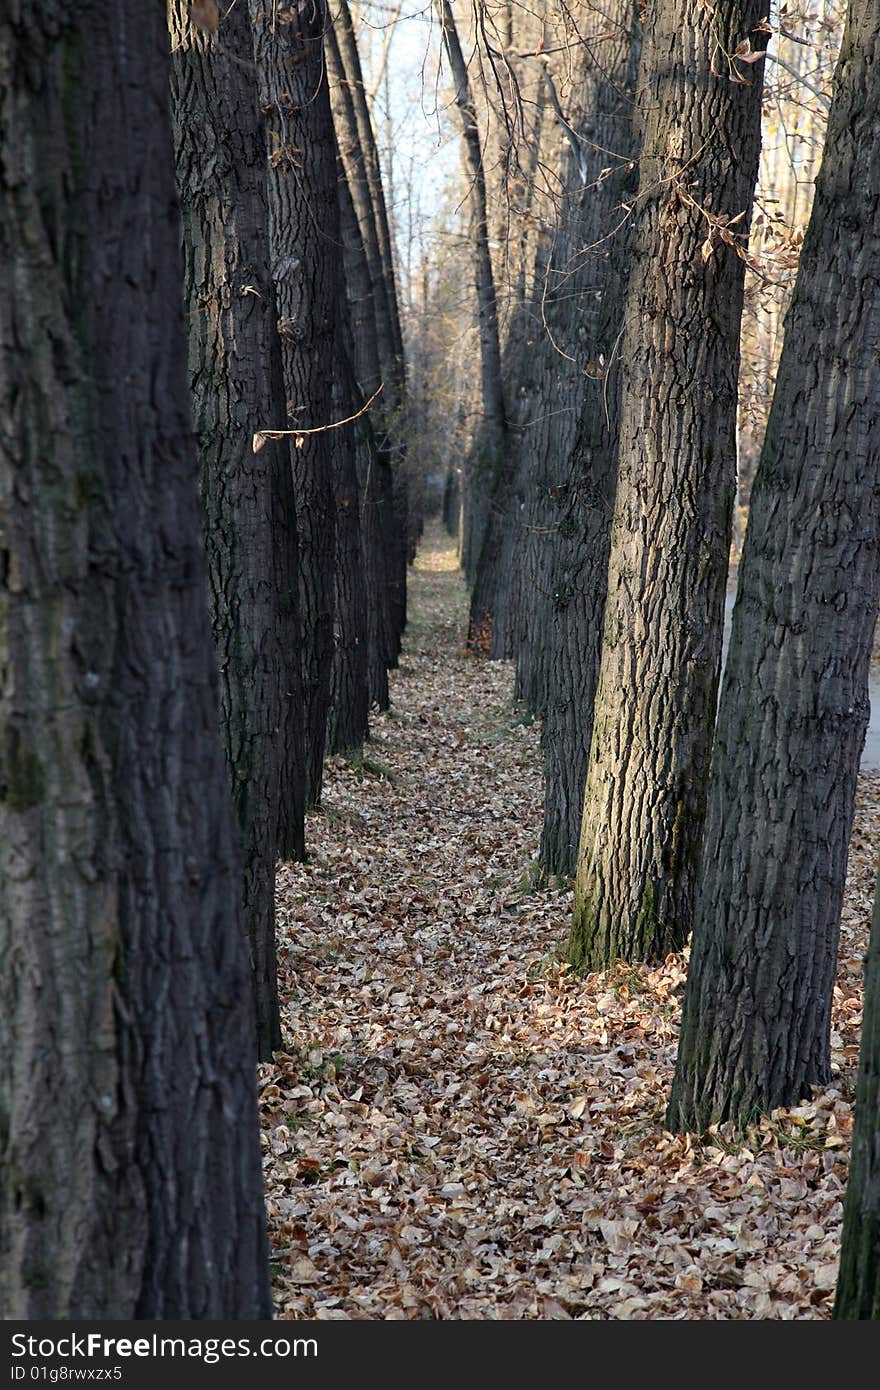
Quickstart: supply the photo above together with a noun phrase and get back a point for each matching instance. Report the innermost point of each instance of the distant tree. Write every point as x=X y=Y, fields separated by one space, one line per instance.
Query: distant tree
x=481 y=542
x=130 y=1177
x=645 y=800
x=362 y=191
x=794 y=707
x=360 y=158
x=372 y=360
x=347 y=717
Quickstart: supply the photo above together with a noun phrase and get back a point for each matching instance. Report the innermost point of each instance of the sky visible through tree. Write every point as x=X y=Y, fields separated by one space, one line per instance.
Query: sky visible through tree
x=417 y=139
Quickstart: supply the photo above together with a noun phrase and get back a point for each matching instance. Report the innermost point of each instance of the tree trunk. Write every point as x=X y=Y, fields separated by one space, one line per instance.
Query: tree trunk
x=304 y=242
x=558 y=530
x=354 y=165
x=451 y=502
x=794 y=708
x=645 y=798
x=487 y=459
x=357 y=148
x=858 y=1279
x=351 y=63
x=523 y=343
x=373 y=457
x=578 y=561
x=286 y=587
x=494 y=414
x=349 y=693
x=237 y=389
x=130 y=1178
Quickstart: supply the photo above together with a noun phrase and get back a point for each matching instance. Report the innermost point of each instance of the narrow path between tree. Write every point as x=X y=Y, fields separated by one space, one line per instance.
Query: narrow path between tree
x=460 y=1129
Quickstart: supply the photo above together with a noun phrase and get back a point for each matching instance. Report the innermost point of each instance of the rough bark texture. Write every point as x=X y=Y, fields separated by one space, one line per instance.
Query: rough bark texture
x=858 y=1279
x=794 y=707
x=377 y=538
x=286 y=588
x=572 y=444
x=130 y=1180
x=531 y=362
x=578 y=577
x=645 y=798
x=363 y=362
x=360 y=160
x=342 y=89
x=349 y=691
x=237 y=389
x=304 y=243
x=576 y=296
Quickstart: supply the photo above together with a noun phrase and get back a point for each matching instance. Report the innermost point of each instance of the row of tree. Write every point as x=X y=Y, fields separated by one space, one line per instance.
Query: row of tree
x=143 y=802
x=197 y=301
x=291 y=305
x=595 y=517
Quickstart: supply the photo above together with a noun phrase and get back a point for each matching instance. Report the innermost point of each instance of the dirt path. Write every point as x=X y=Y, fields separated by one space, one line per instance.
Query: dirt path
x=462 y=1130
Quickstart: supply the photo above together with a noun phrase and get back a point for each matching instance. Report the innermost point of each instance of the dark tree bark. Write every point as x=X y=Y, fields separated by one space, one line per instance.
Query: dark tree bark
x=290 y=676
x=858 y=1279
x=645 y=799
x=378 y=522
x=578 y=561
x=377 y=527
x=237 y=390
x=360 y=160
x=351 y=64
x=305 y=250
x=451 y=503
x=130 y=1178
x=347 y=719
x=531 y=364
x=343 y=87
x=558 y=523
x=794 y=707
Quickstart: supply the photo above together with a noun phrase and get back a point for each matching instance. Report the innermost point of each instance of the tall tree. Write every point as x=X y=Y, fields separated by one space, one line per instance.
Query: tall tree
x=482 y=537
x=858 y=1279
x=558 y=522
x=794 y=707
x=351 y=64
x=304 y=246
x=362 y=192
x=347 y=719
x=645 y=800
x=376 y=367
x=360 y=158
x=238 y=390
x=130 y=1179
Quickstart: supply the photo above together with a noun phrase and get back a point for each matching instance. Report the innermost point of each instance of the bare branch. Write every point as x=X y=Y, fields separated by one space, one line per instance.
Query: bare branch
x=262 y=436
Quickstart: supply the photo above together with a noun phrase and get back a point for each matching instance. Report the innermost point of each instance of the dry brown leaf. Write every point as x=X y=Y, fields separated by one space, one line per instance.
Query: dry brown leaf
x=302 y=1271
x=205 y=15
x=458 y=1127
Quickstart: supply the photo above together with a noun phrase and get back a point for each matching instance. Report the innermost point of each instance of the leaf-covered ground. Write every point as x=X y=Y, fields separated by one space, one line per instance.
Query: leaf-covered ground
x=460 y=1128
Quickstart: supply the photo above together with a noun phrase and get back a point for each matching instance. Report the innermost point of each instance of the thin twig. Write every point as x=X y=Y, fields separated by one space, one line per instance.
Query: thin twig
x=262 y=436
